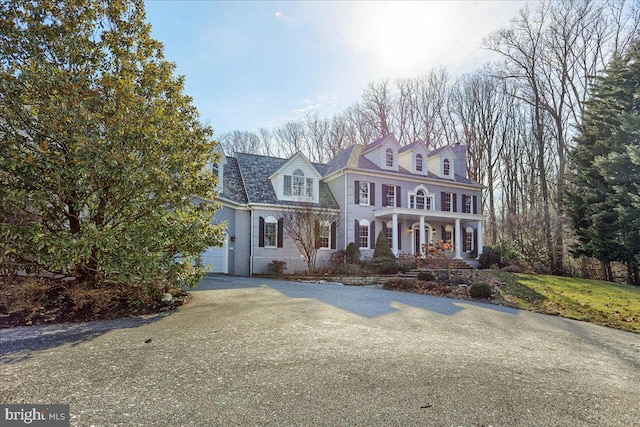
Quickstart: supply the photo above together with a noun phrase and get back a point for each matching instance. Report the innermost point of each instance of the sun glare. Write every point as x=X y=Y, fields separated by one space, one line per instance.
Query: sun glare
x=408 y=38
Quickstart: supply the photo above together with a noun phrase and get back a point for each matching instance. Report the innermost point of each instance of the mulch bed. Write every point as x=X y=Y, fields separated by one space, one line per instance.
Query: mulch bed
x=34 y=300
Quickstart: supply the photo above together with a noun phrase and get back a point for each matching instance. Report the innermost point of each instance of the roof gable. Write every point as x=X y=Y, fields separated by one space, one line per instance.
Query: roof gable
x=294 y=159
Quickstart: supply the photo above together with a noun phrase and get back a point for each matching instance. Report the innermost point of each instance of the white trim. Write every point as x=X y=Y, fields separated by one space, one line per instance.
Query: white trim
x=366 y=174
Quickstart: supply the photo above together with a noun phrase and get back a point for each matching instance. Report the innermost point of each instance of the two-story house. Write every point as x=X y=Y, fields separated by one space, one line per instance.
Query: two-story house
x=414 y=195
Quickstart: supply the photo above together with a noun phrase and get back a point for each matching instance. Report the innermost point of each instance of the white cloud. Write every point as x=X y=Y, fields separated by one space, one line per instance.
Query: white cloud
x=279 y=14
x=310 y=104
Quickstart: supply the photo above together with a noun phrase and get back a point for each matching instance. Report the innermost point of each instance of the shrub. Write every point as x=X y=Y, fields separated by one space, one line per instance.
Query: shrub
x=489 y=257
x=383 y=265
x=426 y=276
x=353 y=253
x=400 y=284
x=382 y=249
x=277 y=267
x=480 y=290
x=407 y=262
x=501 y=255
x=346 y=269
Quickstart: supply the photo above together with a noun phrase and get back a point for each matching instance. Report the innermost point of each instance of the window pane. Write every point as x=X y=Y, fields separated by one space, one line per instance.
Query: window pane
x=446 y=167
x=391 y=195
x=287 y=185
x=270 y=234
x=325 y=232
x=309 y=189
x=447 y=202
x=389 y=157
x=364 y=193
x=298 y=186
x=364 y=236
x=419 y=162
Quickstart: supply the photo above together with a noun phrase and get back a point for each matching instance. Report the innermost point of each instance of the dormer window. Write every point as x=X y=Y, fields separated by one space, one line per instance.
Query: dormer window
x=298 y=185
x=419 y=162
x=389 y=157
x=446 y=167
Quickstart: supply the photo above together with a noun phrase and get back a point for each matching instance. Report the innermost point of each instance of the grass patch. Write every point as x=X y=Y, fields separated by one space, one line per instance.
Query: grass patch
x=602 y=303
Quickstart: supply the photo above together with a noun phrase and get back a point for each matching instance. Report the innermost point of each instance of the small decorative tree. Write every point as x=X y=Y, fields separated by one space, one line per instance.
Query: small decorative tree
x=384 y=261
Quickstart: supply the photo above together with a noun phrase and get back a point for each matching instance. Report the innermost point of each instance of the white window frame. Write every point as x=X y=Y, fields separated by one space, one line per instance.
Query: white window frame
x=468 y=206
x=469 y=239
x=361 y=186
x=446 y=167
x=269 y=223
x=429 y=199
x=388 y=196
x=445 y=201
x=389 y=157
x=448 y=230
x=324 y=227
x=364 y=232
x=297 y=186
x=419 y=163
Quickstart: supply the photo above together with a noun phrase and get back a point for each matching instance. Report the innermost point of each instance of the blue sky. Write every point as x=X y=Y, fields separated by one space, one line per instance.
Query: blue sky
x=258 y=64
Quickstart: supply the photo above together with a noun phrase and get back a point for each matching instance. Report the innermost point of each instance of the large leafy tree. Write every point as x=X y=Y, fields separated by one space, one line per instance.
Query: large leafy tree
x=100 y=150
x=603 y=195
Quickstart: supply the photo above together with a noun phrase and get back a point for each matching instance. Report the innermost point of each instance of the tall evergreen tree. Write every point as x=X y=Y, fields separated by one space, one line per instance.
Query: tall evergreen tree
x=100 y=150
x=602 y=197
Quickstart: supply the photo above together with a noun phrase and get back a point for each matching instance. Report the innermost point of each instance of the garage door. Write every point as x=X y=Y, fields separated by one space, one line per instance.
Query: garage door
x=214 y=259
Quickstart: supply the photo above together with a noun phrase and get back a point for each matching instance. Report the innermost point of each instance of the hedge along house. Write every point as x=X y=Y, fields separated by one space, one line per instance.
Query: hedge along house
x=414 y=195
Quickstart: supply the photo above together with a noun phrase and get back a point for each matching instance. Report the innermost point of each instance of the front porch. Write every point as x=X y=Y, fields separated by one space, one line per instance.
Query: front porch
x=409 y=229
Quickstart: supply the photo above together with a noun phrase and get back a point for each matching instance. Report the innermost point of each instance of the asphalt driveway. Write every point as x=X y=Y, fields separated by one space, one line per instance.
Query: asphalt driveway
x=266 y=352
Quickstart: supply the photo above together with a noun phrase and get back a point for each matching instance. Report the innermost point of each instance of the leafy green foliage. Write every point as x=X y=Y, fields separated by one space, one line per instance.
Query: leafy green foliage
x=383 y=262
x=100 y=150
x=480 y=290
x=353 y=253
x=499 y=255
x=602 y=194
x=382 y=249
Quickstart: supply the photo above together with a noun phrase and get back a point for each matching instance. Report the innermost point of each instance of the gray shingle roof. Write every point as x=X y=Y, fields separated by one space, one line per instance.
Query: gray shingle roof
x=232 y=186
x=255 y=171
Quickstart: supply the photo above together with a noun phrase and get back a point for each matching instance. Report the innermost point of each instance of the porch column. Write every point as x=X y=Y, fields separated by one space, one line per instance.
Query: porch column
x=422 y=242
x=480 y=240
x=394 y=234
x=457 y=231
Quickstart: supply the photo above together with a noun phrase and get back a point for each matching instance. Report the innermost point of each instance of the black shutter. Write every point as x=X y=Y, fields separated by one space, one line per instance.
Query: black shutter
x=442 y=196
x=475 y=239
x=356 y=192
x=398 y=196
x=280 y=232
x=475 y=204
x=464 y=242
x=316 y=234
x=383 y=193
x=399 y=236
x=454 y=196
x=442 y=230
x=464 y=203
x=356 y=233
x=372 y=234
x=261 y=232
x=372 y=194
x=333 y=235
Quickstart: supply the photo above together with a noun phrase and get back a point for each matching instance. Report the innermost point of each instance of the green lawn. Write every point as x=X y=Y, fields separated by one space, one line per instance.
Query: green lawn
x=603 y=303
